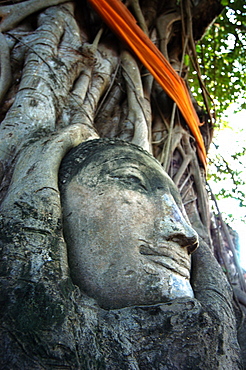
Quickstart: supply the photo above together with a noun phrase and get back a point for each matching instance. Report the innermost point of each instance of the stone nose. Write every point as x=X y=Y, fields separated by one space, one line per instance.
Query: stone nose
x=174 y=226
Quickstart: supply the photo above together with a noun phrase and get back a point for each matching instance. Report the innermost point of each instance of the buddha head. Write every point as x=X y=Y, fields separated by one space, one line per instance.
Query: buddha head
x=128 y=237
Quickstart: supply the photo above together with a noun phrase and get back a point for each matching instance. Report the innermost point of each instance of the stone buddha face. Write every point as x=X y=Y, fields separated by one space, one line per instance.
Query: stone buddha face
x=128 y=237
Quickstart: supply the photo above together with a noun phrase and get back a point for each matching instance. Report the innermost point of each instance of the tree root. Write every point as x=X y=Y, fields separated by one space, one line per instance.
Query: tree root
x=5 y=67
x=35 y=188
x=188 y=155
x=47 y=77
x=135 y=97
x=186 y=14
x=12 y=15
x=166 y=154
x=189 y=168
x=105 y=63
x=164 y=28
x=139 y=15
x=82 y=84
x=230 y=244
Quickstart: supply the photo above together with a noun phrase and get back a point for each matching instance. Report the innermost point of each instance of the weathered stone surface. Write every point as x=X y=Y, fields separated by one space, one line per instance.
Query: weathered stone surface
x=128 y=237
x=47 y=322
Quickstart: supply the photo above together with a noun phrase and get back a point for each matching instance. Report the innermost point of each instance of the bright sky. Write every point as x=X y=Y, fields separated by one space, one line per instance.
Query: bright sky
x=230 y=141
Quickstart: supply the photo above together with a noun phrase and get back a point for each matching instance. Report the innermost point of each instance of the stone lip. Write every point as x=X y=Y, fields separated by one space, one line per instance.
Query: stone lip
x=164 y=256
x=170 y=264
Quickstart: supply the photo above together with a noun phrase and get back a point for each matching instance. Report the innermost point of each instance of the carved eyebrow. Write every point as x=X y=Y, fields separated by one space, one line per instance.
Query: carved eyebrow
x=127 y=166
x=126 y=163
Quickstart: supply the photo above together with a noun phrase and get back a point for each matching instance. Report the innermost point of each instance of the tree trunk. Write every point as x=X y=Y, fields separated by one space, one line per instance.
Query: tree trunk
x=72 y=80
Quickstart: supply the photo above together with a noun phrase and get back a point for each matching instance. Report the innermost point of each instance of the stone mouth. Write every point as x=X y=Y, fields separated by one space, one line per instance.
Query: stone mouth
x=166 y=257
x=169 y=264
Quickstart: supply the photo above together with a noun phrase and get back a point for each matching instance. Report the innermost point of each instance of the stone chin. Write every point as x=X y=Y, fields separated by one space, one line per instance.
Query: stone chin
x=149 y=284
x=166 y=290
x=180 y=287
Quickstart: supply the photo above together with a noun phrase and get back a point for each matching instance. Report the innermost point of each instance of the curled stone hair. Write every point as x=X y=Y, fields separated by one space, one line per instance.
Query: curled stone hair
x=79 y=156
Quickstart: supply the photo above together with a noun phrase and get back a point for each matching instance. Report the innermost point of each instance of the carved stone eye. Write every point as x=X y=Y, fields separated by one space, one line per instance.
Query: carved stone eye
x=131 y=180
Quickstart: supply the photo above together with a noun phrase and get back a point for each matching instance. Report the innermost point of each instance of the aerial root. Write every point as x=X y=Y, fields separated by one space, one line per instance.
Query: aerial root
x=12 y=15
x=5 y=67
x=135 y=99
x=139 y=15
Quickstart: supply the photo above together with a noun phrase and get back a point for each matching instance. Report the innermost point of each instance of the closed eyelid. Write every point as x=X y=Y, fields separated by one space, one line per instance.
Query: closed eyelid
x=126 y=176
x=132 y=177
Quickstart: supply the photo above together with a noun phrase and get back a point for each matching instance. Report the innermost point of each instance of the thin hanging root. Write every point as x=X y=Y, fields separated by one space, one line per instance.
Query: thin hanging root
x=121 y=21
x=12 y=15
x=5 y=67
x=177 y=136
x=201 y=193
x=189 y=187
x=166 y=159
x=139 y=15
x=187 y=158
x=97 y=38
x=164 y=27
x=190 y=201
x=82 y=84
x=194 y=60
x=135 y=98
x=166 y=153
x=108 y=90
x=148 y=81
x=230 y=243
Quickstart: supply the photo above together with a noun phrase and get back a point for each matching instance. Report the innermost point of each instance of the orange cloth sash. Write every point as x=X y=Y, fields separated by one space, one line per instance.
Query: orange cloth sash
x=123 y=24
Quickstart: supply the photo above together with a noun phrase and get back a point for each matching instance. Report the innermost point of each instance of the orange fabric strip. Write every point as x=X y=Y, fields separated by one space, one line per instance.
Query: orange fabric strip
x=121 y=21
